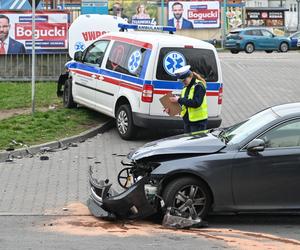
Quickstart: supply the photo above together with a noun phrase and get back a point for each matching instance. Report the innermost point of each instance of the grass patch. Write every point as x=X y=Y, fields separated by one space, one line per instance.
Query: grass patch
x=18 y=95
x=46 y=126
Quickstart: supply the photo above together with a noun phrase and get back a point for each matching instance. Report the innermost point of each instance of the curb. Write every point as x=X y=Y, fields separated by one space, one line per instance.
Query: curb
x=7 y=156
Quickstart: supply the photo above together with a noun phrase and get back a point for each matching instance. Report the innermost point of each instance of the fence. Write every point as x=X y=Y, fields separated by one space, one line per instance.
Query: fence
x=18 y=67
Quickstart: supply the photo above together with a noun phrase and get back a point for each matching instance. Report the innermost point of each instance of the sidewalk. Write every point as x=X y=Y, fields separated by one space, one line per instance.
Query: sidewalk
x=37 y=187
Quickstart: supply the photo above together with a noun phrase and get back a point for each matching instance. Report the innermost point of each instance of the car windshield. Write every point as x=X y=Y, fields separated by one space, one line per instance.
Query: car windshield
x=237 y=133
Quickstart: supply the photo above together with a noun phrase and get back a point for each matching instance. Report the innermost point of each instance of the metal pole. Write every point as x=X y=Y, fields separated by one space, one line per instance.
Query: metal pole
x=162 y=6
x=224 y=30
x=33 y=58
x=298 y=12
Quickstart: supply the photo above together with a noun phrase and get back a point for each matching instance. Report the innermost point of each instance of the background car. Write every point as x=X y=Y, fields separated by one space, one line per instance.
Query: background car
x=250 y=166
x=251 y=39
x=295 y=40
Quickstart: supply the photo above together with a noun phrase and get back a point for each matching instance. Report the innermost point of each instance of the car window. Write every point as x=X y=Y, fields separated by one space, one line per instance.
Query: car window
x=126 y=58
x=202 y=61
x=256 y=33
x=233 y=34
x=266 y=33
x=95 y=52
x=241 y=131
x=284 y=135
x=248 y=32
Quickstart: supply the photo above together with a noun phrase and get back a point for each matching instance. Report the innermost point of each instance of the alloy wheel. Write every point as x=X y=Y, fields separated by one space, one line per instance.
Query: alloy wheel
x=122 y=122
x=190 y=201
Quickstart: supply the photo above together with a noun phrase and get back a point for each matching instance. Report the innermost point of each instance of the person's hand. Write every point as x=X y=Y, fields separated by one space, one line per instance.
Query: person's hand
x=167 y=110
x=174 y=98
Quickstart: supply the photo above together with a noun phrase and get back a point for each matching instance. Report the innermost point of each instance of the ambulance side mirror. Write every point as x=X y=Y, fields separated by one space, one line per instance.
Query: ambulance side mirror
x=78 y=56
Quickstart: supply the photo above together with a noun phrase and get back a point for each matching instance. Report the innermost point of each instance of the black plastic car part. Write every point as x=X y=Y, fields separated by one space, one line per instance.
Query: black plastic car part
x=133 y=203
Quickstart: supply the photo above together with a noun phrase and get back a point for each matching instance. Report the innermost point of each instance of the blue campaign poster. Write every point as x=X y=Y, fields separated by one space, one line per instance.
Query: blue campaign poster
x=94 y=7
x=17 y=5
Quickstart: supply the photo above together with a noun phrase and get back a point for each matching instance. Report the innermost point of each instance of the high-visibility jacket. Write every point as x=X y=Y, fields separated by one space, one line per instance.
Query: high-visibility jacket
x=194 y=114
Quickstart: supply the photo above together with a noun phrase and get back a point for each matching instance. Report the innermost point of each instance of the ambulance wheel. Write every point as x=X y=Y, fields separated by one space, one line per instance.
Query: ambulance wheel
x=124 y=122
x=67 y=95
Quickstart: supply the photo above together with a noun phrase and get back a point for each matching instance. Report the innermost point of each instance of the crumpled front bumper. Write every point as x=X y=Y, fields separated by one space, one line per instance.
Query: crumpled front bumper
x=104 y=202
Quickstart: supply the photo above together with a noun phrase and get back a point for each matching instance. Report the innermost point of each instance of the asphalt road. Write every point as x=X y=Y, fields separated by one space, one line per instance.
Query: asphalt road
x=42 y=203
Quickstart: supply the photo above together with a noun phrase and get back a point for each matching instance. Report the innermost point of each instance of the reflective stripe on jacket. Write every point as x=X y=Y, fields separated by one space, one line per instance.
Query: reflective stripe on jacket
x=194 y=114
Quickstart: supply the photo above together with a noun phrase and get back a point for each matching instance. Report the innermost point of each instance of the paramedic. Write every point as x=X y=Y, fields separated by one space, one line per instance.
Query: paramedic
x=192 y=100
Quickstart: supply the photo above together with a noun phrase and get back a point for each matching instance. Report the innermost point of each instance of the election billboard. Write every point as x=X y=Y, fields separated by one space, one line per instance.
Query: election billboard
x=19 y=5
x=136 y=12
x=193 y=14
x=51 y=31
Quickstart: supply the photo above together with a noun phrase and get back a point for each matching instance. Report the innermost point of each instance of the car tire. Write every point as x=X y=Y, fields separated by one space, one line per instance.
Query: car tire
x=68 y=101
x=249 y=48
x=234 y=51
x=283 y=47
x=185 y=203
x=124 y=122
x=269 y=51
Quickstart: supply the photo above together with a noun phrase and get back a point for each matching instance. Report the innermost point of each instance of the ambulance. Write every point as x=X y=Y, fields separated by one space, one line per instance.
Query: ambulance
x=124 y=74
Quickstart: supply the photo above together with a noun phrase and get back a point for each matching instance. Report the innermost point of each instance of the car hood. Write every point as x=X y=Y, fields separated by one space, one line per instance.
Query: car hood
x=199 y=143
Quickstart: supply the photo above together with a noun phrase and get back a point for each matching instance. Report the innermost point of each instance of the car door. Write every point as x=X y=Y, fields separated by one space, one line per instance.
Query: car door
x=87 y=73
x=256 y=37
x=268 y=41
x=270 y=179
x=125 y=72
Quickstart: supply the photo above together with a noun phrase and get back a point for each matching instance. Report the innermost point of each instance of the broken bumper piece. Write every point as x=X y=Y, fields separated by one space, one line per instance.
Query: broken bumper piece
x=104 y=202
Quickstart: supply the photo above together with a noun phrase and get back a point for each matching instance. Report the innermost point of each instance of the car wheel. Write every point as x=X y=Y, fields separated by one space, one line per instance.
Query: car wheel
x=124 y=122
x=269 y=51
x=189 y=196
x=67 y=95
x=249 y=48
x=284 y=47
x=234 y=51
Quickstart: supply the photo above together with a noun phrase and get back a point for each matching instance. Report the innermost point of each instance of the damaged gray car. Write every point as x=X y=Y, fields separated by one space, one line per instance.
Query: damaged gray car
x=251 y=166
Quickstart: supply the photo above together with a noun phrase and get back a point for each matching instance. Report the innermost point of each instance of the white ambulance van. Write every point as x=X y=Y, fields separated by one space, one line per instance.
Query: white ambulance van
x=124 y=74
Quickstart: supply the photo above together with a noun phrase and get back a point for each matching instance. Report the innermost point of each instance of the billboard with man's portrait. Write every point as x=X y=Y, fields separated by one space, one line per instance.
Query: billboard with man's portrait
x=194 y=15
x=51 y=31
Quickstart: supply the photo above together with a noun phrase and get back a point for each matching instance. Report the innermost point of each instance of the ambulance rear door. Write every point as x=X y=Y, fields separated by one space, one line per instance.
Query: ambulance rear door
x=202 y=61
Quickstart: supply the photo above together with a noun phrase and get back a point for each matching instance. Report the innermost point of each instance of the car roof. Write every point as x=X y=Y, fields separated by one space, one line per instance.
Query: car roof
x=165 y=39
x=249 y=28
x=287 y=109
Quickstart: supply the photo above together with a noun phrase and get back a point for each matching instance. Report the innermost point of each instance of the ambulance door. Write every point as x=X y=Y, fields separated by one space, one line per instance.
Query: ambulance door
x=86 y=74
x=168 y=60
x=108 y=83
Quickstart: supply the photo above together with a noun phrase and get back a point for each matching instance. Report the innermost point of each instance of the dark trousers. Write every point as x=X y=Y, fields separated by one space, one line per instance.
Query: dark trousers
x=190 y=127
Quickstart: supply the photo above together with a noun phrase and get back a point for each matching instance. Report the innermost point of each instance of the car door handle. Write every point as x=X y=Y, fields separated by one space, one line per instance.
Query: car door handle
x=93 y=76
x=101 y=78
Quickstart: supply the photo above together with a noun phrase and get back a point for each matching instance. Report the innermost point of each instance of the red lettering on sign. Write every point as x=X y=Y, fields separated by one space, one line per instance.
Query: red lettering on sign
x=44 y=31
x=205 y=15
x=92 y=35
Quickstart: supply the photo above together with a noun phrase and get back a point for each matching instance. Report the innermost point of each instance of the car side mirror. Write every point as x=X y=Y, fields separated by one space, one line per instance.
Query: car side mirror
x=78 y=56
x=257 y=145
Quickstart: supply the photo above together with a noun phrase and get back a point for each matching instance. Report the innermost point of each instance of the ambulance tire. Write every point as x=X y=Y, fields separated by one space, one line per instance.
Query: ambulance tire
x=67 y=95
x=124 y=122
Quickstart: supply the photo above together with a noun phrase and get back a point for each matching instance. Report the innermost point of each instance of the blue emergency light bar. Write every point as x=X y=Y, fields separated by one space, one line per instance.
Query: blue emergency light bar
x=169 y=29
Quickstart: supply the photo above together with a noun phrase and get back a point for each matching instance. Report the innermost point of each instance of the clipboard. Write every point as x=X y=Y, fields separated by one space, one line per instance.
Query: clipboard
x=174 y=107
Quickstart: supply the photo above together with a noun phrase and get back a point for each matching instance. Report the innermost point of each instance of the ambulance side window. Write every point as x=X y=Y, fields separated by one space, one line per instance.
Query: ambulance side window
x=202 y=61
x=95 y=53
x=126 y=58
